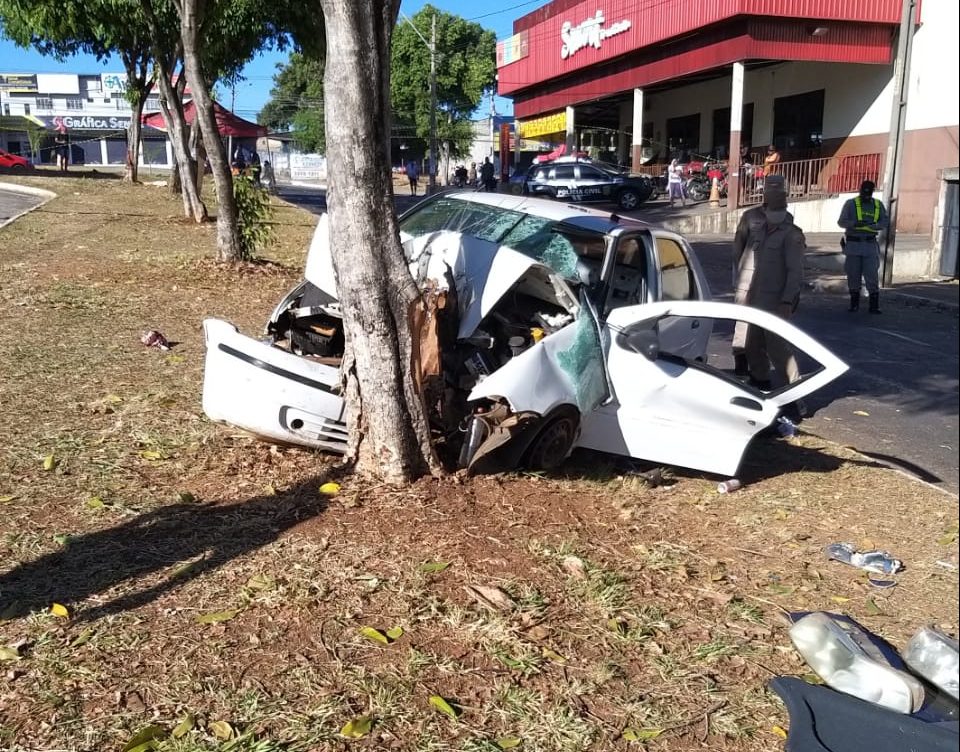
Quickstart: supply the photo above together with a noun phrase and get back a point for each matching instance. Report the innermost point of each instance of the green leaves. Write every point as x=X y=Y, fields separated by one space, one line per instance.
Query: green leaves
x=357 y=728
x=217 y=617
x=440 y=704
x=641 y=735
x=383 y=638
x=434 y=567
x=145 y=739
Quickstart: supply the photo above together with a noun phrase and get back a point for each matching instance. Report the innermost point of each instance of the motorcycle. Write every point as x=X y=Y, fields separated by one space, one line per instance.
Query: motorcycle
x=700 y=184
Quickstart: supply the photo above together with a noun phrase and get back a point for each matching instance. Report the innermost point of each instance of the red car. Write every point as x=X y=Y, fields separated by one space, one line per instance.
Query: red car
x=13 y=162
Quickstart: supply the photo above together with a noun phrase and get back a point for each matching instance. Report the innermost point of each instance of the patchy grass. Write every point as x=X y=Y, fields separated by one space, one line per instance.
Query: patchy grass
x=206 y=579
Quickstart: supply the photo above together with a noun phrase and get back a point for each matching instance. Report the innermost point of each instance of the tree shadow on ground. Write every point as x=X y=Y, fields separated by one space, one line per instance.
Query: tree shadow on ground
x=199 y=536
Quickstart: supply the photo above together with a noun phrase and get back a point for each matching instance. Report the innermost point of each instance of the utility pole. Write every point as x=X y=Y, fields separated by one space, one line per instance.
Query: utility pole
x=901 y=90
x=433 y=106
x=493 y=127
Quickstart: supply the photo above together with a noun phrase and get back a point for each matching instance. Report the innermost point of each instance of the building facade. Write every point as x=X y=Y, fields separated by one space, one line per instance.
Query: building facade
x=642 y=81
x=93 y=109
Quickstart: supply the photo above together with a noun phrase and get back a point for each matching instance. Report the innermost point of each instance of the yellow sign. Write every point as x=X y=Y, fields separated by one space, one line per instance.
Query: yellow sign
x=542 y=126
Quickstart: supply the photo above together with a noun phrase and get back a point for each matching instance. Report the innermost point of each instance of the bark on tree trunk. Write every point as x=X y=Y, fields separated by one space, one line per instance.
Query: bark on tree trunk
x=390 y=437
x=131 y=171
x=228 y=230
x=171 y=105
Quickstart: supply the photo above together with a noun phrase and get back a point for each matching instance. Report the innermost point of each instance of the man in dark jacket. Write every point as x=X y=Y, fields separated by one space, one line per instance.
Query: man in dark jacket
x=863 y=217
x=487 y=179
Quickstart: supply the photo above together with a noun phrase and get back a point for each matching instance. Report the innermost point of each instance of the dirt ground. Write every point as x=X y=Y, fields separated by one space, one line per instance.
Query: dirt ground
x=213 y=599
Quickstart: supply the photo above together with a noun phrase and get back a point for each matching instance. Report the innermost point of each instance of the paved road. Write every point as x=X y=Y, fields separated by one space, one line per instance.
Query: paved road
x=11 y=204
x=903 y=374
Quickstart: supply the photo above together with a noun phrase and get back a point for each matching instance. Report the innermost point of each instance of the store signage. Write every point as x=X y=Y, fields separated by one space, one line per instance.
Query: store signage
x=113 y=82
x=544 y=126
x=588 y=33
x=18 y=83
x=89 y=122
x=513 y=48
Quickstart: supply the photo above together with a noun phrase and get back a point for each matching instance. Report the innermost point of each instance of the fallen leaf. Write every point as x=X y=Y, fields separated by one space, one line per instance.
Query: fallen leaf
x=149 y=454
x=618 y=626
x=640 y=735
x=395 y=633
x=59 y=611
x=61 y=539
x=221 y=730
x=95 y=502
x=552 y=655
x=375 y=635
x=444 y=707
x=779 y=731
x=217 y=616
x=82 y=639
x=261 y=582
x=433 y=567
x=175 y=359
x=329 y=489
x=49 y=463
x=779 y=589
x=492 y=597
x=508 y=742
x=9 y=654
x=872 y=608
x=864 y=413
x=144 y=739
x=358 y=727
x=184 y=727
x=185 y=497
x=5 y=499
x=838 y=599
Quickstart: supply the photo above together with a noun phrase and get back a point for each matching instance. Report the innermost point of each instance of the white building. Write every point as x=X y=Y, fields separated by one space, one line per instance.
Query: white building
x=93 y=108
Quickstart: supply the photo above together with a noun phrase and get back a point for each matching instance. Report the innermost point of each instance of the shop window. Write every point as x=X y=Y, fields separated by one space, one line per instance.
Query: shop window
x=74 y=104
x=683 y=137
x=798 y=125
x=6 y=108
x=45 y=103
x=721 y=130
x=26 y=109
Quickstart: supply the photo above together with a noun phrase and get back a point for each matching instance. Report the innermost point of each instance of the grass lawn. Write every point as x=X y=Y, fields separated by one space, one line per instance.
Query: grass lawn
x=216 y=600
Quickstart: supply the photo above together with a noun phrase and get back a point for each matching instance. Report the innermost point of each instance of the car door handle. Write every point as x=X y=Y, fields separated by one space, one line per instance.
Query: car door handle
x=746 y=402
x=695 y=324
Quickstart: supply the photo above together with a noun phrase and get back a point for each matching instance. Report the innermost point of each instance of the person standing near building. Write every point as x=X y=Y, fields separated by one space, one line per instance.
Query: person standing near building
x=862 y=218
x=413 y=175
x=62 y=150
x=487 y=179
x=771 y=162
x=768 y=254
x=472 y=175
x=675 y=183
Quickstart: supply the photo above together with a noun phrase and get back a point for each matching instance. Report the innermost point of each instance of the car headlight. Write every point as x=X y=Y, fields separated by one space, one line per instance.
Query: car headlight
x=844 y=657
x=934 y=656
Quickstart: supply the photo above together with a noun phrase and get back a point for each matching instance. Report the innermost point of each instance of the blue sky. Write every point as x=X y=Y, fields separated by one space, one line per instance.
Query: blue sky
x=496 y=15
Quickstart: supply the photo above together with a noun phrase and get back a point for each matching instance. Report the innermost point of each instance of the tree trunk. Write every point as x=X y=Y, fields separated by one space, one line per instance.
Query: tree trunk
x=228 y=230
x=131 y=171
x=171 y=105
x=390 y=437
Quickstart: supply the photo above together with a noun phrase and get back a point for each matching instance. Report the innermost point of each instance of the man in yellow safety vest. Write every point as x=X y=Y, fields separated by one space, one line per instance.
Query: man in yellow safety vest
x=862 y=218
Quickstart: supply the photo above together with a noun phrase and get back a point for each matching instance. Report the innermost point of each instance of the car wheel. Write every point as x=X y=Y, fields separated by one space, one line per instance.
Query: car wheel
x=18 y=168
x=698 y=192
x=628 y=199
x=554 y=441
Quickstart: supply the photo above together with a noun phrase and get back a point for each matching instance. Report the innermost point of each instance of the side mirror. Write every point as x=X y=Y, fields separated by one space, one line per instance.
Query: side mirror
x=643 y=341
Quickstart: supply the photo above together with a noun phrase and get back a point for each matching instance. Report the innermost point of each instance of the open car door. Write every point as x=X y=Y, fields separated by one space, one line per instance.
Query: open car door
x=671 y=408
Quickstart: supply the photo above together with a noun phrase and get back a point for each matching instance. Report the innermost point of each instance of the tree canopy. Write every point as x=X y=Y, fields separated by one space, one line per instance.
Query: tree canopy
x=296 y=101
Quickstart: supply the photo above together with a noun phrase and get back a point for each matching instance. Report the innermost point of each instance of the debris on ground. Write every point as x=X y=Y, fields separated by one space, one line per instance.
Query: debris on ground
x=880 y=562
x=153 y=338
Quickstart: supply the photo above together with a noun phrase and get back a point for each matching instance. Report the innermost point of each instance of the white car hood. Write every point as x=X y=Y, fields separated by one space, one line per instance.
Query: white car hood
x=482 y=271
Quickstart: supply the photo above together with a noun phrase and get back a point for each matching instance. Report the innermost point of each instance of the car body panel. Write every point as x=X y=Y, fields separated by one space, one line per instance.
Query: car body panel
x=13 y=161
x=672 y=408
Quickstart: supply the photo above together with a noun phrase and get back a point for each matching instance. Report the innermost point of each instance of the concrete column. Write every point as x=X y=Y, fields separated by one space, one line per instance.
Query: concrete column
x=624 y=119
x=103 y=151
x=571 y=139
x=736 y=126
x=636 y=146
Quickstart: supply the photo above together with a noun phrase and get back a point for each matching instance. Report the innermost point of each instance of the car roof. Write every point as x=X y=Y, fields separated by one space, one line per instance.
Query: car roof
x=571 y=214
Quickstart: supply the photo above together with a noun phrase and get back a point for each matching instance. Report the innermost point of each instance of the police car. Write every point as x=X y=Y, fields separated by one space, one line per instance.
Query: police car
x=578 y=180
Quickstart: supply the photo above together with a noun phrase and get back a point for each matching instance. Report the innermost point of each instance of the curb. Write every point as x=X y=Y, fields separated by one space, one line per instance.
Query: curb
x=26 y=190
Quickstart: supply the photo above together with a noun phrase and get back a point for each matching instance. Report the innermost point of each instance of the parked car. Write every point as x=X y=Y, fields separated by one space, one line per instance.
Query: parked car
x=573 y=328
x=573 y=179
x=13 y=162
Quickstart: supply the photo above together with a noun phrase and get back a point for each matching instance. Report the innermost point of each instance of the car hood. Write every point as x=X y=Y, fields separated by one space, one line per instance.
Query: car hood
x=482 y=272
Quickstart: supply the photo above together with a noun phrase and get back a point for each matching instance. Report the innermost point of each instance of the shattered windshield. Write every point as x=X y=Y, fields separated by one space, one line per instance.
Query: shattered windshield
x=571 y=252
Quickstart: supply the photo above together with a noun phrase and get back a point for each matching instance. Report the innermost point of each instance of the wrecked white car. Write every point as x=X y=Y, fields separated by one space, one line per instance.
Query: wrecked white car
x=571 y=328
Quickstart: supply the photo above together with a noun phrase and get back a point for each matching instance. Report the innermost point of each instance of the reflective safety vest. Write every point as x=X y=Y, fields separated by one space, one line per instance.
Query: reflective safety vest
x=858 y=202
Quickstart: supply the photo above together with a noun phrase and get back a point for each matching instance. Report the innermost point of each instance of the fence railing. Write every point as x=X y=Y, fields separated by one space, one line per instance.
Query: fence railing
x=813 y=178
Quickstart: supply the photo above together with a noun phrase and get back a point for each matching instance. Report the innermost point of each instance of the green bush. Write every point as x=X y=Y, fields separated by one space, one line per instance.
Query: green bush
x=254 y=214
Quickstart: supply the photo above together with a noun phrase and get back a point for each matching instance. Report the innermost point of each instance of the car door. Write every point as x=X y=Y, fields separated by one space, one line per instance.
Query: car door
x=593 y=184
x=670 y=408
x=679 y=277
x=563 y=180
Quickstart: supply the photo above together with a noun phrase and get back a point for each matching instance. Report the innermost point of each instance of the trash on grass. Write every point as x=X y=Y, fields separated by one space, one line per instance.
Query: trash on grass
x=936 y=657
x=729 y=486
x=880 y=562
x=153 y=338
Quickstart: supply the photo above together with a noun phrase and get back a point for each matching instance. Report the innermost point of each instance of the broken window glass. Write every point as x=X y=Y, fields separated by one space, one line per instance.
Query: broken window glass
x=582 y=363
x=476 y=220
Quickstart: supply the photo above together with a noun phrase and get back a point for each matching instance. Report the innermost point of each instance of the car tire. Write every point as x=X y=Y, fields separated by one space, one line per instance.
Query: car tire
x=628 y=199
x=697 y=191
x=554 y=440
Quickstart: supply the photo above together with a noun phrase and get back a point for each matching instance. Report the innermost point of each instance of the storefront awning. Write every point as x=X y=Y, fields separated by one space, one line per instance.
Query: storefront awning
x=228 y=124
